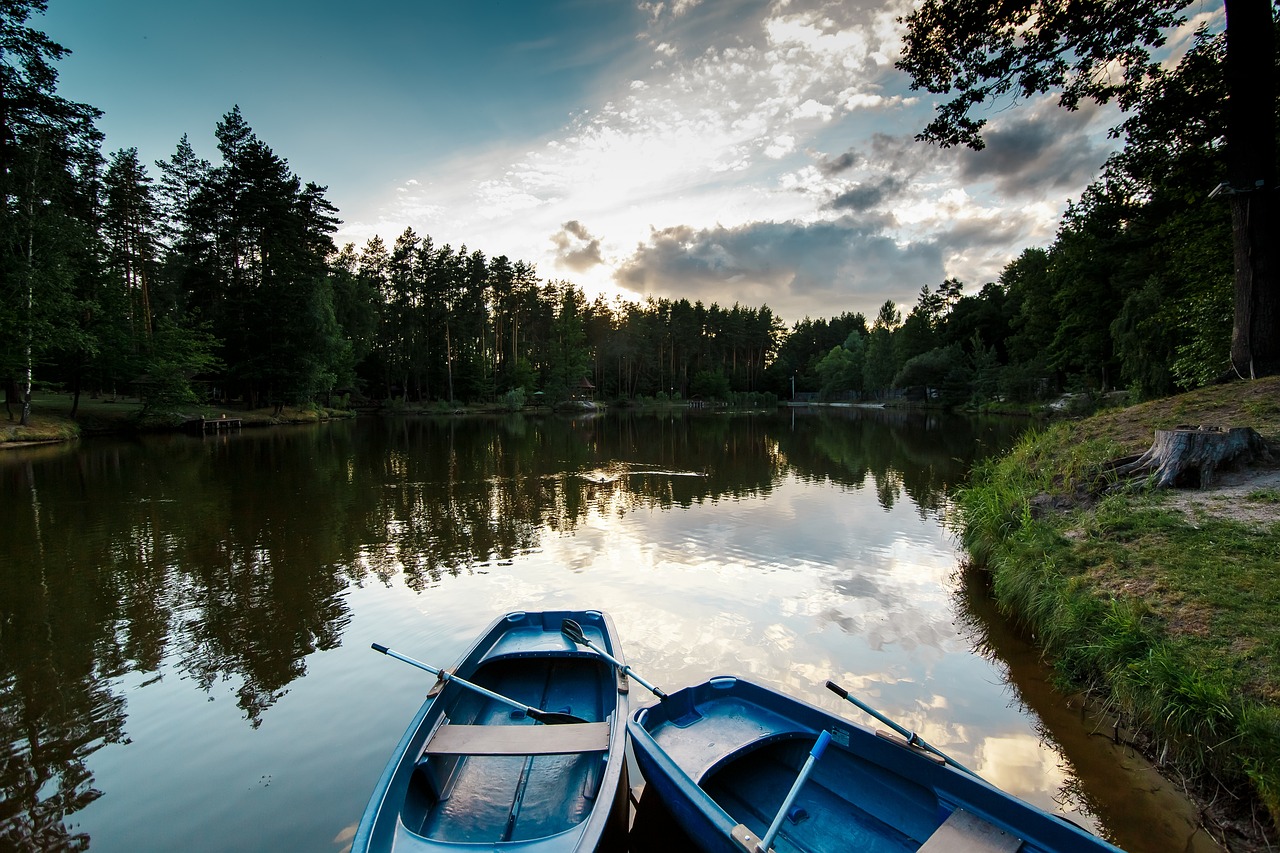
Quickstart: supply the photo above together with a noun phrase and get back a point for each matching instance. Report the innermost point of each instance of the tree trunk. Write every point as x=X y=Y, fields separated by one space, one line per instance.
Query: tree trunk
x=448 y=359
x=1251 y=174
x=1190 y=455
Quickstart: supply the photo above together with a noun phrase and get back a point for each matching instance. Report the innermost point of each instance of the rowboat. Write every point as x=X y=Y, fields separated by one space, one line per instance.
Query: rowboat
x=521 y=746
x=727 y=756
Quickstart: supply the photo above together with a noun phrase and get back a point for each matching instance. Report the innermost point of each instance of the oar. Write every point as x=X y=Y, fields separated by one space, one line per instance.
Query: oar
x=548 y=717
x=573 y=631
x=814 y=755
x=912 y=737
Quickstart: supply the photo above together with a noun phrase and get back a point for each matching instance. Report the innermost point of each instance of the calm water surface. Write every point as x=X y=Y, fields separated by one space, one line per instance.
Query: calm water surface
x=185 y=623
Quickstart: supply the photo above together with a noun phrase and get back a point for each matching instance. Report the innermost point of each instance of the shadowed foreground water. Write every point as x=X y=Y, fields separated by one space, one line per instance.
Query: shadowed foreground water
x=185 y=622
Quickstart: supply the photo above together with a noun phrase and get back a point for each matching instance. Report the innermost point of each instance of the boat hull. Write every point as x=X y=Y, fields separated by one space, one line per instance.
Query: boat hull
x=472 y=772
x=722 y=756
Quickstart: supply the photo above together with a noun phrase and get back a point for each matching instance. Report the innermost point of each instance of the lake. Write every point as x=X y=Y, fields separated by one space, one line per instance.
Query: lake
x=185 y=621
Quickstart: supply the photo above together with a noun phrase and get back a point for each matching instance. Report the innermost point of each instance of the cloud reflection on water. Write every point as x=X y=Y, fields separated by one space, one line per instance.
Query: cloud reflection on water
x=812 y=549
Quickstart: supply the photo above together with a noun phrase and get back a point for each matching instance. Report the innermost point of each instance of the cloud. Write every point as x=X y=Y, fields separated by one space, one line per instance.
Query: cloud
x=863 y=197
x=576 y=248
x=1043 y=149
x=791 y=266
x=836 y=165
x=763 y=152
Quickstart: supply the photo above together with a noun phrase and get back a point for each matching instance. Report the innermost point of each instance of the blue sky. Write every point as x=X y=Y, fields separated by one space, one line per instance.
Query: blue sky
x=753 y=151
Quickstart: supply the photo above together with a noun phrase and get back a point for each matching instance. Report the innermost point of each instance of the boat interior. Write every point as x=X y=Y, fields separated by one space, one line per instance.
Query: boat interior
x=489 y=773
x=847 y=803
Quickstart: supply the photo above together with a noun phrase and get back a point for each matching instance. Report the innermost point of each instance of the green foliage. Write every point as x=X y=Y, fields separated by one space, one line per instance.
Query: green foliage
x=244 y=245
x=931 y=369
x=881 y=361
x=841 y=369
x=177 y=357
x=1148 y=219
x=513 y=400
x=1203 y=325
x=568 y=361
x=752 y=400
x=1143 y=343
x=710 y=385
x=984 y=52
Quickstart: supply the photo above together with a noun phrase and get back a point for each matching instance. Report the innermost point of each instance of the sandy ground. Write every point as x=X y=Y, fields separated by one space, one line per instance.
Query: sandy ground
x=1229 y=497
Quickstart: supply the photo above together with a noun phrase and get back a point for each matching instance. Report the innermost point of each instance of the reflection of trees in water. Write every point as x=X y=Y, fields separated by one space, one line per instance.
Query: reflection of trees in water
x=116 y=557
x=230 y=555
x=1029 y=682
x=56 y=707
x=923 y=455
x=50 y=723
x=457 y=495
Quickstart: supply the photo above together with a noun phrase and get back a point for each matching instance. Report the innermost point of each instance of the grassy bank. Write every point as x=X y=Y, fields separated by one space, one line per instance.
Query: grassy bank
x=51 y=418
x=1161 y=604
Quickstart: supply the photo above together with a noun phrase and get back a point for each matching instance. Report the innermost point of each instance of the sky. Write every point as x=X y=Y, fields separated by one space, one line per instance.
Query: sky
x=758 y=152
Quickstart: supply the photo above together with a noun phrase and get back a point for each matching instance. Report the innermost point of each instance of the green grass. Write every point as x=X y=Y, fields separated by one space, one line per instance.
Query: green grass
x=1169 y=620
x=51 y=417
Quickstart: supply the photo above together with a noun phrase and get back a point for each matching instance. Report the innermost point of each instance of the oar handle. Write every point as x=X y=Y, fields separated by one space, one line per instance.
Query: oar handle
x=844 y=694
x=819 y=746
x=912 y=737
x=391 y=653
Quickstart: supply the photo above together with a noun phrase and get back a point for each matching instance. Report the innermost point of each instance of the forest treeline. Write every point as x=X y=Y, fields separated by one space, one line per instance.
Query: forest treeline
x=201 y=279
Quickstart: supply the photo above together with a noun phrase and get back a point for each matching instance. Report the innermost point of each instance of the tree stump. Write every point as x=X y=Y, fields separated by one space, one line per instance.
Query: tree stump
x=1186 y=455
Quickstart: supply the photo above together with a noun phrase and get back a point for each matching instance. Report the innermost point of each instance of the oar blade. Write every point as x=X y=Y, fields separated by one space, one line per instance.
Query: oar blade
x=554 y=718
x=573 y=631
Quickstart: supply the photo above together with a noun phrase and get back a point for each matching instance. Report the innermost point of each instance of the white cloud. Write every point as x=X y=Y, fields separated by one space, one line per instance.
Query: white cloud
x=778 y=131
x=780 y=147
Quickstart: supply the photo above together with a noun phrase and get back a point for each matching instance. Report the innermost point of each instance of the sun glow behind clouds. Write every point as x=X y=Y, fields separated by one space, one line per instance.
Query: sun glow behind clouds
x=722 y=133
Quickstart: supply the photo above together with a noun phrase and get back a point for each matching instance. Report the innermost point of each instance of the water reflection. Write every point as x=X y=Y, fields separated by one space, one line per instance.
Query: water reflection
x=227 y=563
x=1094 y=776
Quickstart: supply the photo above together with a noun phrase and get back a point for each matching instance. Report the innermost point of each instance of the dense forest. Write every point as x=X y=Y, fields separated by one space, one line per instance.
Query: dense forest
x=202 y=279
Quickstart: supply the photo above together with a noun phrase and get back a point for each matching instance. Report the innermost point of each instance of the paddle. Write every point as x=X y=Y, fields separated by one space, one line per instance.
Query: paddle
x=814 y=755
x=548 y=717
x=912 y=738
x=573 y=631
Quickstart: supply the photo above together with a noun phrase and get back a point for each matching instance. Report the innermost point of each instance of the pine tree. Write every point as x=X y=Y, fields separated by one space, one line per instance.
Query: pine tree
x=48 y=157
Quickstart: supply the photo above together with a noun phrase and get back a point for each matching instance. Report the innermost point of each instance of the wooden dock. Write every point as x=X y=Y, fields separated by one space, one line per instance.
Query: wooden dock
x=221 y=424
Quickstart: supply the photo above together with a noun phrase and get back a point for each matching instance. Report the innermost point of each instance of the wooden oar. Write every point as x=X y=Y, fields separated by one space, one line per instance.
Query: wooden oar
x=814 y=754
x=573 y=631
x=548 y=717
x=912 y=738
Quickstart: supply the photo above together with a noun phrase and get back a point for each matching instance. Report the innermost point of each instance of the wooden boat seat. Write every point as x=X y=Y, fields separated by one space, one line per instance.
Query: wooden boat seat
x=570 y=738
x=963 y=832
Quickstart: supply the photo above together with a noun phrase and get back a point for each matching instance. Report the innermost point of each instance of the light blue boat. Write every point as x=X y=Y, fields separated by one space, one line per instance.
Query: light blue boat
x=723 y=756
x=520 y=747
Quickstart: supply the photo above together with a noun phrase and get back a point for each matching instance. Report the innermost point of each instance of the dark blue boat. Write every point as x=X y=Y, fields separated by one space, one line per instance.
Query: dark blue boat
x=520 y=747
x=723 y=756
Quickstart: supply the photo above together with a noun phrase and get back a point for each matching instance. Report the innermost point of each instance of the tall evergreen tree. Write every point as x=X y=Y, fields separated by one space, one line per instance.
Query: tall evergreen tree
x=48 y=160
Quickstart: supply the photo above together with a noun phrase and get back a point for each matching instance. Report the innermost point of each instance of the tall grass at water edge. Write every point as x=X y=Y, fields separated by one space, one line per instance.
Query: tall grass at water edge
x=1039 y=521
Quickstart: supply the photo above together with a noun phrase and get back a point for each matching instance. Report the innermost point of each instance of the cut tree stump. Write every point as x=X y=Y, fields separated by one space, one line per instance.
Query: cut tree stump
x=1187 y=455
